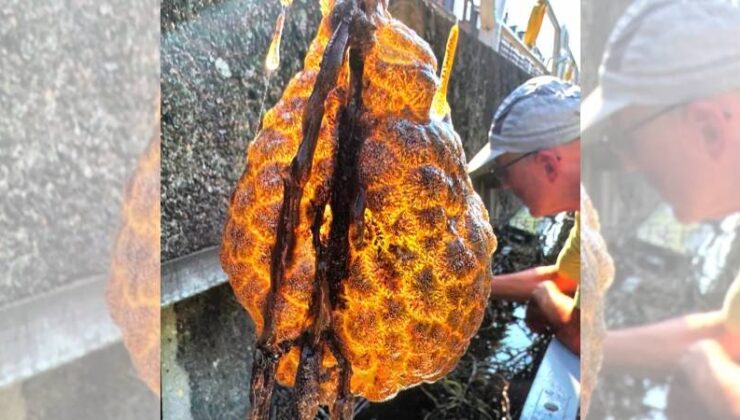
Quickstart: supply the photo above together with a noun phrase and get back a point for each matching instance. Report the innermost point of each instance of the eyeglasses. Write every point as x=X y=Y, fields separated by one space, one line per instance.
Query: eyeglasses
x=622 y=141
x=498 y=174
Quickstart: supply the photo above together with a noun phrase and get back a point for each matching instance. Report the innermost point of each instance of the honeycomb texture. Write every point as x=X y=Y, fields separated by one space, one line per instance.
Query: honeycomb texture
x=597 y=275
x=418 y=277
x=133 y=292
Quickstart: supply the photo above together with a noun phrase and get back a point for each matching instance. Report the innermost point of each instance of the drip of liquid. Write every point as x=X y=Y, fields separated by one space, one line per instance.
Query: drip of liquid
x=325 y=6
x=273 y=54
x=272 y=62
x=440 y=107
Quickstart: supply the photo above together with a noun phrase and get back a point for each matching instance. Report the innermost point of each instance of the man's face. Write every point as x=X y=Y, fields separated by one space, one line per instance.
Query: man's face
x=533 y=179
x=673 y=148
x=515 y=177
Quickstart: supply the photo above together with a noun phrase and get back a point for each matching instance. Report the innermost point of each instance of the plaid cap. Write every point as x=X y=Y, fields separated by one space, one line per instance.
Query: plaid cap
x=541 y=113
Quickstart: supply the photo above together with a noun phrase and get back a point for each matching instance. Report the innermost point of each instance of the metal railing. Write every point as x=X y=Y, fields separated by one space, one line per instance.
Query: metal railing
x=513 y=49
x=507 y=43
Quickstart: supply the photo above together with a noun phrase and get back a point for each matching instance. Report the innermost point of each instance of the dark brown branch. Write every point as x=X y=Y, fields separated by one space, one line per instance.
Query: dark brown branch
x=352 y=28
x=268 y=352
x=331 y=261
x=344 y=404
x=300 y=168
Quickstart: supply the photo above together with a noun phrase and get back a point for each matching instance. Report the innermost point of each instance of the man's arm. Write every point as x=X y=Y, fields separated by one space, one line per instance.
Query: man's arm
x=659 y=347
x=519 y=286
x=564 y=274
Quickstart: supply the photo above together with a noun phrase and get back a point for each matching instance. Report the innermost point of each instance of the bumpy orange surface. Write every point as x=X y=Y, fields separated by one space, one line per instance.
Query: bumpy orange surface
x=133 y=292
x=419 y=275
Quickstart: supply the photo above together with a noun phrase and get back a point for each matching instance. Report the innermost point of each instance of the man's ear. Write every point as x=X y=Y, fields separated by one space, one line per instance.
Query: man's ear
x=550 y=161
x=708 y=119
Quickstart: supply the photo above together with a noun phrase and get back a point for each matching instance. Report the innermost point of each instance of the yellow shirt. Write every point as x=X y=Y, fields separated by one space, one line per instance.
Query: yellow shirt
x=732 y=307
x=569 y=259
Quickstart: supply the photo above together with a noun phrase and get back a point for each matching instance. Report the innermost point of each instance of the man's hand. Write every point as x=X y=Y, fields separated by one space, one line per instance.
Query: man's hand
x=549 y=307
x=549 y=304
x=714 y=377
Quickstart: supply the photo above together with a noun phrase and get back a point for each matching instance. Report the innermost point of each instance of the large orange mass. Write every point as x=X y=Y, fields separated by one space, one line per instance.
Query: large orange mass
x=354 y=237
x=133 y=292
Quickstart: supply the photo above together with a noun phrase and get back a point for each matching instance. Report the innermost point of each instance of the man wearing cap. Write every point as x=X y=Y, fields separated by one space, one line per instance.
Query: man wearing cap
x=669 y=102
x=534 y=150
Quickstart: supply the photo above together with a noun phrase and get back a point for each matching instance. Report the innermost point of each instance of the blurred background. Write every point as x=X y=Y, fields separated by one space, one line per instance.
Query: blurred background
x=78 y=92
x=664 y=269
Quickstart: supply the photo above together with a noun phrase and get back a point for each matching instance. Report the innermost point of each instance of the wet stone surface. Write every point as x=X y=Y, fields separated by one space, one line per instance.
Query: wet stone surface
x=212 y=89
